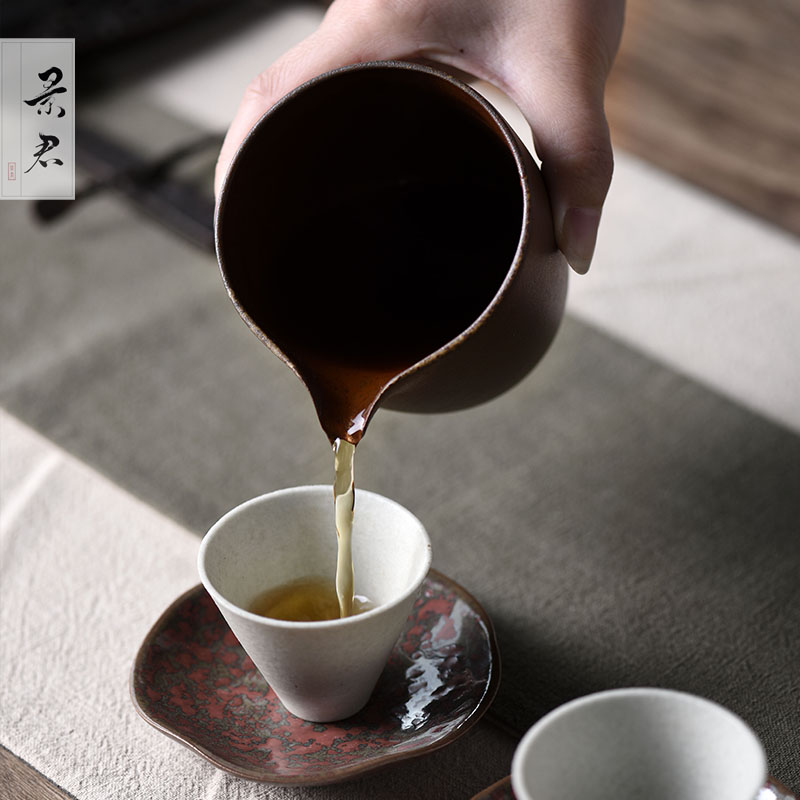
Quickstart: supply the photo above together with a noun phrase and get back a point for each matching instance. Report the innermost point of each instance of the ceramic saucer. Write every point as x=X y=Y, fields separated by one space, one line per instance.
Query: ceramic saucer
x=502 y=791
x=193 y=681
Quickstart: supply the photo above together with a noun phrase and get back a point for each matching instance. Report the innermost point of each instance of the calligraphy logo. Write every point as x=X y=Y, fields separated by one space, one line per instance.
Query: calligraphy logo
x=47 y=143
x=38 y=126
x=50 y=78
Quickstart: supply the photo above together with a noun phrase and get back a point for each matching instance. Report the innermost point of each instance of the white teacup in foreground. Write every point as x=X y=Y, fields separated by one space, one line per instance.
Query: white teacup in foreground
x=657 y=744
x=324 y=670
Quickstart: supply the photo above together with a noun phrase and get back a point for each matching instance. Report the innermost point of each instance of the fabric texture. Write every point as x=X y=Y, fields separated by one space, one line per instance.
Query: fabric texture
x=85 y=571
x=621 y=524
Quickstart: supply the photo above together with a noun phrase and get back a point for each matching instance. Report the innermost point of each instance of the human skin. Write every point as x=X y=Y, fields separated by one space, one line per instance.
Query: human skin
x=552 y=57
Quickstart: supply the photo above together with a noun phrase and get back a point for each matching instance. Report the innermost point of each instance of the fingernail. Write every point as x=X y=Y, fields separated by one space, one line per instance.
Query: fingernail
x=579 y=235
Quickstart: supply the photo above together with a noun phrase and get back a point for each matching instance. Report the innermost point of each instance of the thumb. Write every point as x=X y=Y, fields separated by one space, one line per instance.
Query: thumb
x=345 y=36
x=301 y=63
x=572 y=139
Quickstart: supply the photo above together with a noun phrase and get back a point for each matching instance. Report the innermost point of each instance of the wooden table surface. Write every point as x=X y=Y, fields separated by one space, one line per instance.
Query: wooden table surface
x=706 y=89
x=710 y=91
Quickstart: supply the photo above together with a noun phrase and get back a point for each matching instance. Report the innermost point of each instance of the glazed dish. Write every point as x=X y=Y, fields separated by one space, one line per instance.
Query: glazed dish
x=193 y=681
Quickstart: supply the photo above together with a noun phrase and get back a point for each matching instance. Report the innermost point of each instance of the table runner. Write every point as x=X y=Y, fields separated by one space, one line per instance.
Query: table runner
x=621 y=524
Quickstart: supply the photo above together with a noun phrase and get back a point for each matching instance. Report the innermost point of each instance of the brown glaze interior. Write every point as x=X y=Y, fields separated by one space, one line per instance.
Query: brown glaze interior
x=366 y=222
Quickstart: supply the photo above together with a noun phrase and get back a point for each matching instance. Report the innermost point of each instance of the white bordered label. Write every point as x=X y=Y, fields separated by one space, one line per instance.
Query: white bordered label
x=37 y=121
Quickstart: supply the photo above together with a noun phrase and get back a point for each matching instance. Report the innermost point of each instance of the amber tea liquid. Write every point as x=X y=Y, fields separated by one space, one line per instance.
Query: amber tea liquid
x=310 y=599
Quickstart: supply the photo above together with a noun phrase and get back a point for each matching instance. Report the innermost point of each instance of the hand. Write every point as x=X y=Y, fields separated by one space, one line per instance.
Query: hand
x=552 y=57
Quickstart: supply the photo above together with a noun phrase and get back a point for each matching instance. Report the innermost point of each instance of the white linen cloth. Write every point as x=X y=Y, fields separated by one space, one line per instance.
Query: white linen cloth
x=85 y=570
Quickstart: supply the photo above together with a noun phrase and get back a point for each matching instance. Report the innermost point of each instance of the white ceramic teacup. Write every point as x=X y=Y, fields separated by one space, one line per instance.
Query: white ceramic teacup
x=321 y=671
x=657 y=744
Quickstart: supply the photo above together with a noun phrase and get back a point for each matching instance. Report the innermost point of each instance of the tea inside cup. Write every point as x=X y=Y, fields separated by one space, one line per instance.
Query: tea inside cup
x=657 y=744
x=320 y=670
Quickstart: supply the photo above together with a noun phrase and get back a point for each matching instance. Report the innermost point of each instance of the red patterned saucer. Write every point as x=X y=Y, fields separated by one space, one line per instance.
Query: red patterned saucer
x=502 y=791
x=193 y=681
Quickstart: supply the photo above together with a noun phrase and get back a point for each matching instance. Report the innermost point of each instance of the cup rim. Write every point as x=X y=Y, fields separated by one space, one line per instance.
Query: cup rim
x=523 y=748
x=223 y=602
x=503 y=129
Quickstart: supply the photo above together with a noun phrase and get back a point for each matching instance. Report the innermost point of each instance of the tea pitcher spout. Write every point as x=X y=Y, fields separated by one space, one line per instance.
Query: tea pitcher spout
x=384 y=231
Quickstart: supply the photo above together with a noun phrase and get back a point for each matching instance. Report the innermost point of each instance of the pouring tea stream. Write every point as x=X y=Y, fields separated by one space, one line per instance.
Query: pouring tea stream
x=386 y=234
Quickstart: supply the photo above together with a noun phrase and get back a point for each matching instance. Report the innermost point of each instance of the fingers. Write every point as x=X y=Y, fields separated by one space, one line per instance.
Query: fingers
x=572 y=139
x=577 y=170
x=556 y=71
